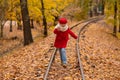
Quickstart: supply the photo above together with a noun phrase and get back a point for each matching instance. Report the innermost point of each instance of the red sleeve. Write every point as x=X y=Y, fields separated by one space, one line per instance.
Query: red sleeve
x=55 y=31
x=72 y=34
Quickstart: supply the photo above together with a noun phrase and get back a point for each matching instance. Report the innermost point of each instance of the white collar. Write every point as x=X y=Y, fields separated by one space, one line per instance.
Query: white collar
x=62 y=28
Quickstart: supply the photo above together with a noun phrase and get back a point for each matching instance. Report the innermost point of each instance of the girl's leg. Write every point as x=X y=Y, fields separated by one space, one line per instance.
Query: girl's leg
x=63 y=55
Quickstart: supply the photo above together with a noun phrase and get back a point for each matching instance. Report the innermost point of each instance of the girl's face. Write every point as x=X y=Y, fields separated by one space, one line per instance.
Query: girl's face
x=63 y=25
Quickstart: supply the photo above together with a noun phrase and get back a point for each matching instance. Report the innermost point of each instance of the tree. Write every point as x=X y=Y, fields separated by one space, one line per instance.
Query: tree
x=119 y=14
x=11 y=10
x=115 y=19
x=44 y=18
x=31 y=23
x=13 y=13
x=18 y=14
x=3 y=9
x=119 y=21
x=26 y=23
x=90 y=9
x=11 y=25
x=111 y=10
x=103 y=6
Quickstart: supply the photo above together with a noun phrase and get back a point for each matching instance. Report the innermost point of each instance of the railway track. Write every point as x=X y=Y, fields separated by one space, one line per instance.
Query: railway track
x=55 y=71
x=20 y=44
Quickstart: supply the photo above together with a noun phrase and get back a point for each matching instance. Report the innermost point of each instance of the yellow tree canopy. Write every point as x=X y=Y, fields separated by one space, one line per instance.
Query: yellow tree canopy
x=52 y=8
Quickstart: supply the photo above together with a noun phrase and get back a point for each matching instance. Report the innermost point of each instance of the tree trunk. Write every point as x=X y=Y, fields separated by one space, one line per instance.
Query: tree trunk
x=119 y=25
x=19 y=22
x=3 y=8
x=115 y=19
x=2 y=26
x=19 y=25
x=32 y=25
x=90 y=11
x=103 y=7
x=1 y=32
x=95 y=11
x=10 y=25
x=26 y=23
x=119 y=21
x=56 y=19
x=119 y=15
x=44 y=19
x=81 y=3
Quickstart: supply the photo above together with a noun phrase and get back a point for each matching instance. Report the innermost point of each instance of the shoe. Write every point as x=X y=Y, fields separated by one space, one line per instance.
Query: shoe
x=64 y=65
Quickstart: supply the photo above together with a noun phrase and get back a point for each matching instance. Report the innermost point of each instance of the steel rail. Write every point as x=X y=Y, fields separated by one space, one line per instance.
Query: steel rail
x=78 y=52
x=50 y=63
x=77 y=46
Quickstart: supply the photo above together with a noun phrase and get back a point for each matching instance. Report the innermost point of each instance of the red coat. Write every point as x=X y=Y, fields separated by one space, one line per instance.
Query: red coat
x=62 y=38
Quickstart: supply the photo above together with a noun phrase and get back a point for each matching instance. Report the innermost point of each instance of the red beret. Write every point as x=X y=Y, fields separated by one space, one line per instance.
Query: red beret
x=62 y=20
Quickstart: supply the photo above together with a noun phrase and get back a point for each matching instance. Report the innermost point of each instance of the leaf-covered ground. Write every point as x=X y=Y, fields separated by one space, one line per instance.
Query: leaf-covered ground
x=100 y=54
x=13 y=39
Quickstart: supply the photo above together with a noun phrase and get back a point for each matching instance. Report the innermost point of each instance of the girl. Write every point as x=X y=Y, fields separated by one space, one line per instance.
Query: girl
x=62 y=36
